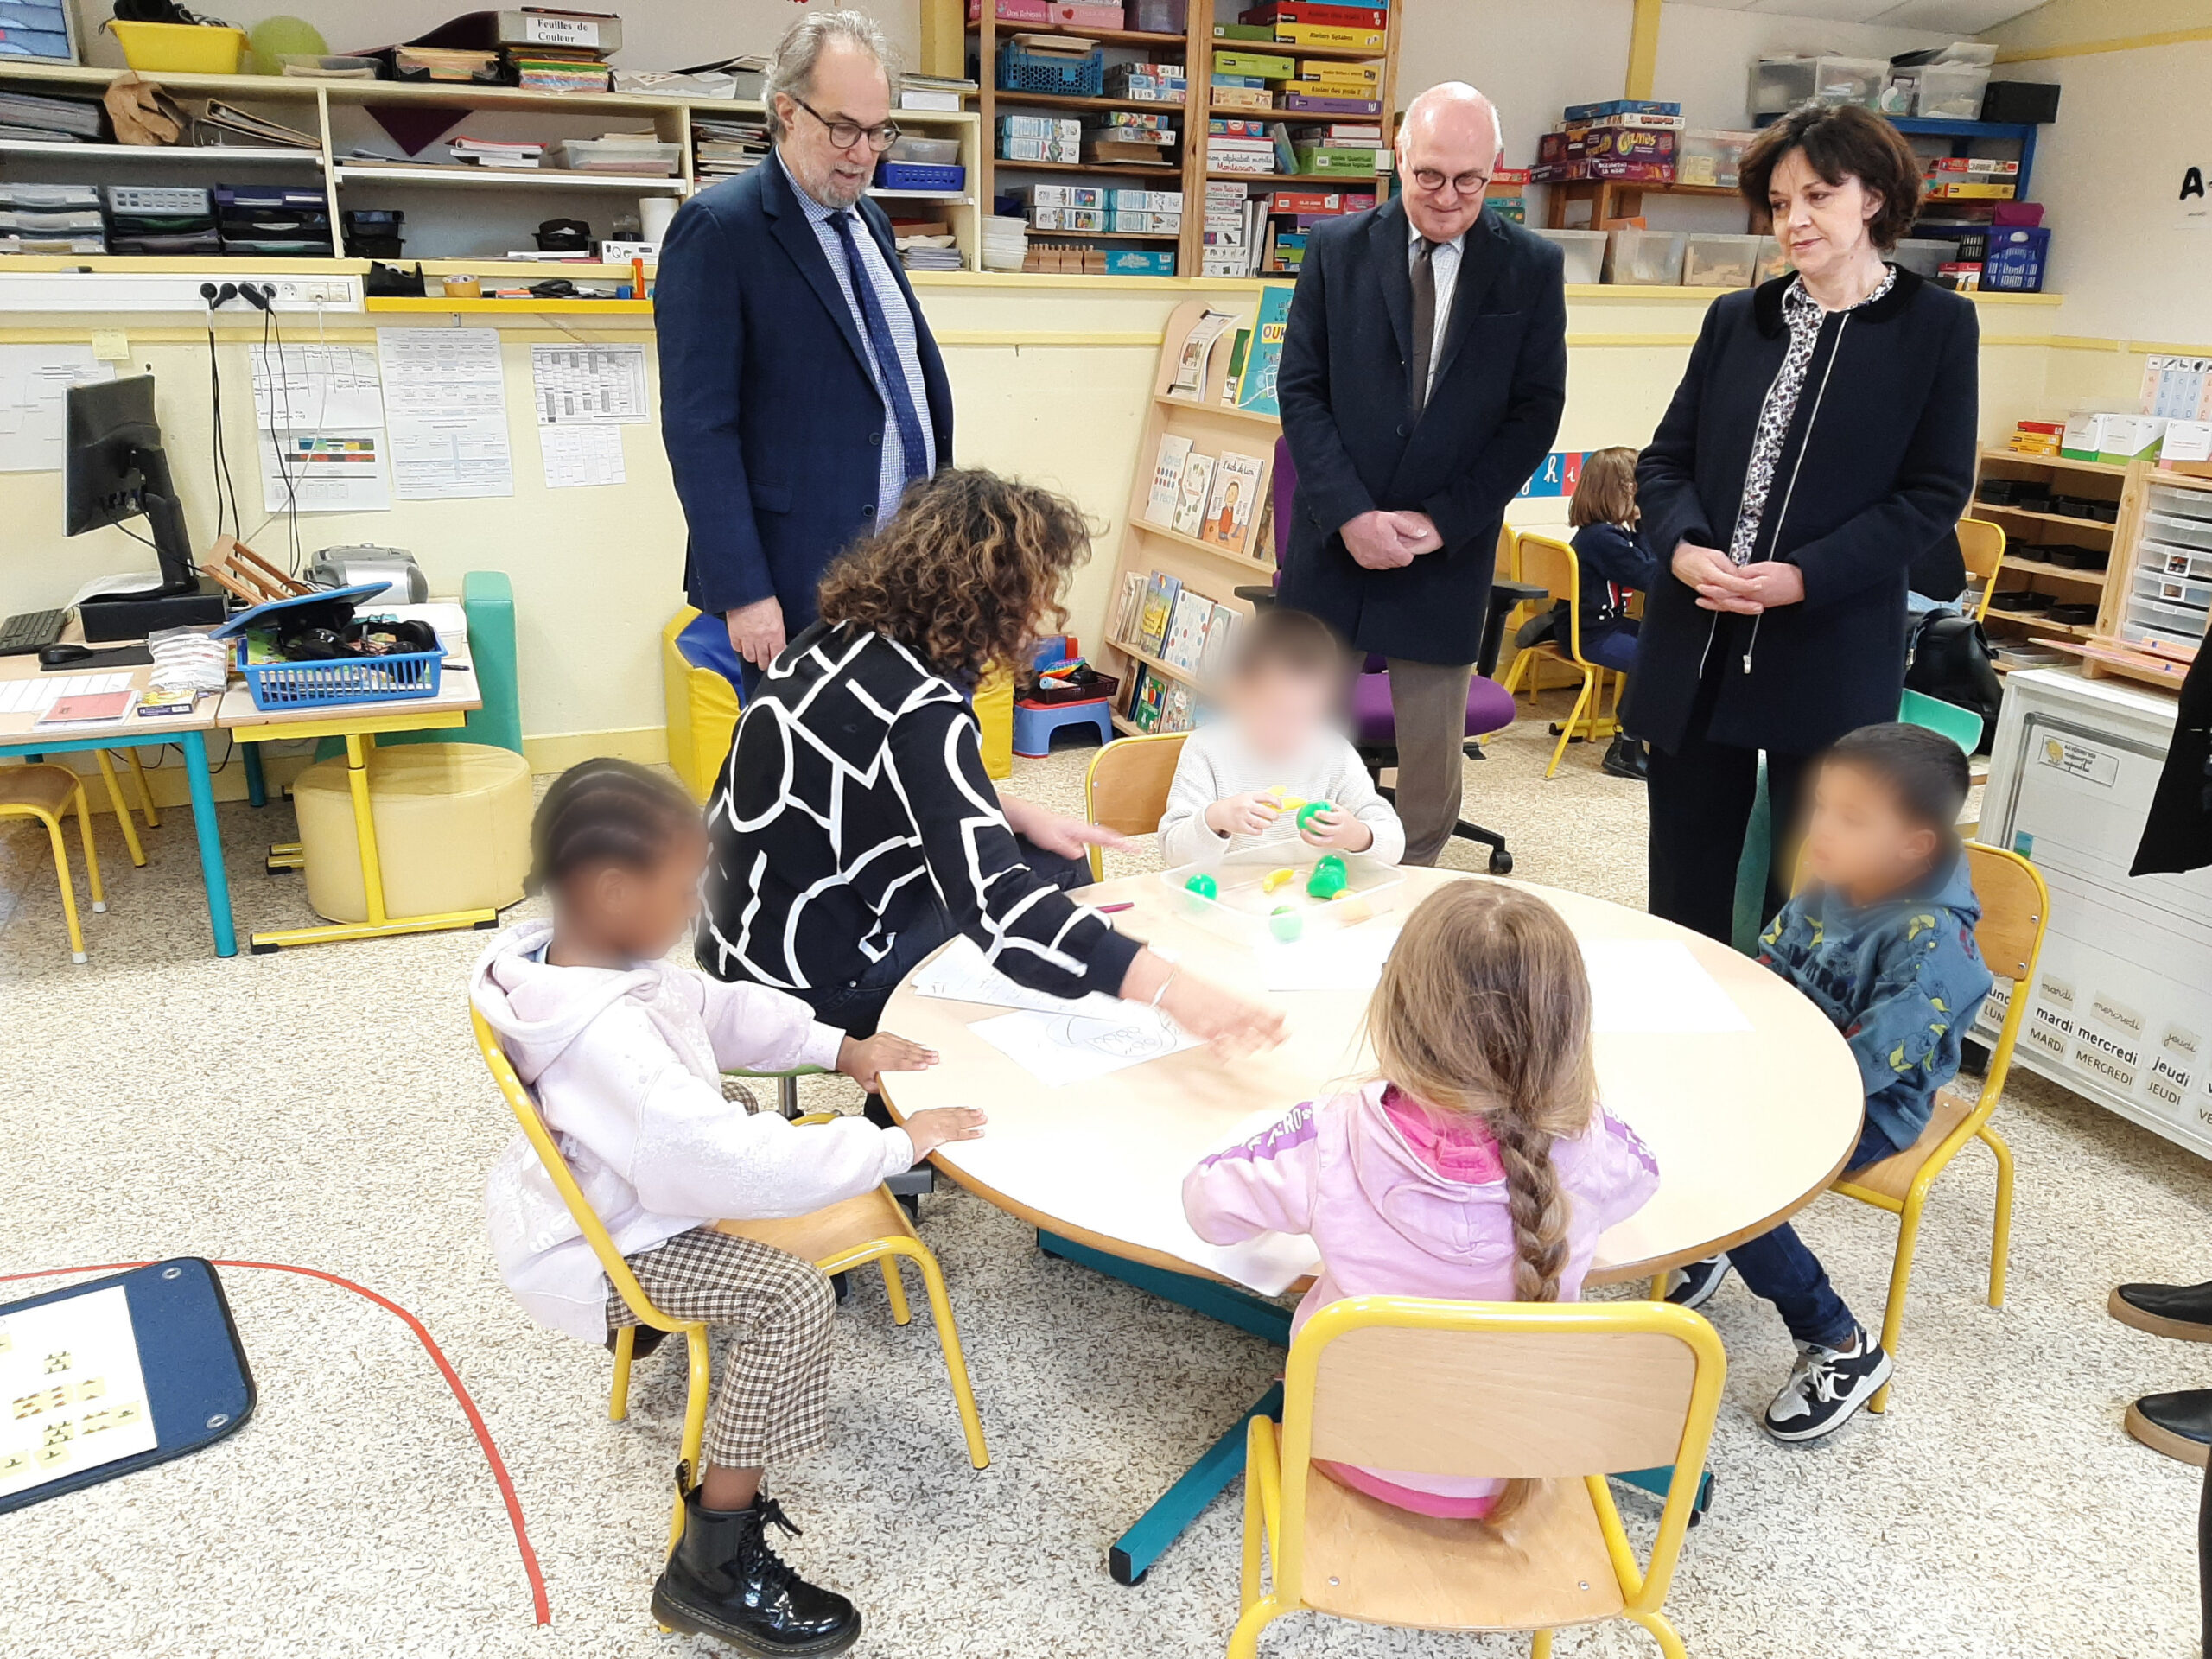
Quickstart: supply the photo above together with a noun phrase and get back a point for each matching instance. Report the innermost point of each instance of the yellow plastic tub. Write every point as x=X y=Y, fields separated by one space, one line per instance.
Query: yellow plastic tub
x=181 y=48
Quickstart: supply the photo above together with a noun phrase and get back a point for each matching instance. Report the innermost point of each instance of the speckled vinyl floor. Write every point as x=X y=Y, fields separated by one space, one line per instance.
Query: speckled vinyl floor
x=324 y=1108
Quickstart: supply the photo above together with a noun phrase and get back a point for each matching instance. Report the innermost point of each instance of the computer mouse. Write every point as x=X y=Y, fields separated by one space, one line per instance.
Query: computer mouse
x=62 y=653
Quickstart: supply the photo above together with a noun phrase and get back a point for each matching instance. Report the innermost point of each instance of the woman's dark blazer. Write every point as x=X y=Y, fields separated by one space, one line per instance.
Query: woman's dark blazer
x=1877 y=464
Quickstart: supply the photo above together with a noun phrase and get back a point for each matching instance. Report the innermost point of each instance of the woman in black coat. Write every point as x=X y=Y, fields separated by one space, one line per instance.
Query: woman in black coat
x=1821 y=440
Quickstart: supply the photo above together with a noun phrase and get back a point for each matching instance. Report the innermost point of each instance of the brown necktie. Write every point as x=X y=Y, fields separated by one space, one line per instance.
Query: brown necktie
x=1424 y=276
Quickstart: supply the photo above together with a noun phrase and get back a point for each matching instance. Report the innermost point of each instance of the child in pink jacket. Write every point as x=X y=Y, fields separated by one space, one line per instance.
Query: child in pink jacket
x=1478 y=1166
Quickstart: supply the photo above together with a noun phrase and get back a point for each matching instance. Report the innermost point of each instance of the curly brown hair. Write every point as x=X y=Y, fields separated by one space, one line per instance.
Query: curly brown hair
x=969 y=574
x=1839 y=142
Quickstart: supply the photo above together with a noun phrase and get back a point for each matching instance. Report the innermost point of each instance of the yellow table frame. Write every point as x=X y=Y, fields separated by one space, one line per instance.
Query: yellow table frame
x=359 y=733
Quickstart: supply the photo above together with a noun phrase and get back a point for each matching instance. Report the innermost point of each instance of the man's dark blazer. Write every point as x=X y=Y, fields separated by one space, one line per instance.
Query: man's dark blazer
x=1492 y=412
x=774 y=426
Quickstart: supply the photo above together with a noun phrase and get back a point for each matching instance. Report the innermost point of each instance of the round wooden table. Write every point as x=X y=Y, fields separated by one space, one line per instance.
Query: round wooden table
x=1747 y=1126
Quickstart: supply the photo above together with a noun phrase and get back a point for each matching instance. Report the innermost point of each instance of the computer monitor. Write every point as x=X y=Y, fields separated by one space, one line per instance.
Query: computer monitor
x=113 y=468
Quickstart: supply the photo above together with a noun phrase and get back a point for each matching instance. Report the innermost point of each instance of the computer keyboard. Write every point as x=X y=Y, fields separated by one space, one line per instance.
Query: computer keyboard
x=29 y=631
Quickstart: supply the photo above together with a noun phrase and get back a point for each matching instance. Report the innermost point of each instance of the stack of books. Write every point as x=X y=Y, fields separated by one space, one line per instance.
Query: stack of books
x=1147 y=82
x=495 y=152
x=1039 y=138
x=2036 y=438
x=1228 y=230
x=163 y=219
x=1296 y=22
x=51 y=218
x=1131 y=135
x=50 y=120
x=1630 y=138
x=1235 y=145
x=444 y=64
x=722 y=146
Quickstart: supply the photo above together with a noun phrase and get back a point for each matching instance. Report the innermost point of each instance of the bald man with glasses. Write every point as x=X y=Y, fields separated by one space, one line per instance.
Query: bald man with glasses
x=801 y=392
x=1423 y=373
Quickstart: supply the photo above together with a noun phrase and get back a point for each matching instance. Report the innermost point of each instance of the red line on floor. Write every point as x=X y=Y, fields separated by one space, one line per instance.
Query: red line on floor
x=453 y=1381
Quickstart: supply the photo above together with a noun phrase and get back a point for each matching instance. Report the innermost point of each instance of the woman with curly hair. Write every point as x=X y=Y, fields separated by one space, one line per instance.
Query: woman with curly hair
x=855 y=829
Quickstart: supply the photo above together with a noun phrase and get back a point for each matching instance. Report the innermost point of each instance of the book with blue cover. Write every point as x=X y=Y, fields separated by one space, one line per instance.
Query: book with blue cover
x=1265 y=359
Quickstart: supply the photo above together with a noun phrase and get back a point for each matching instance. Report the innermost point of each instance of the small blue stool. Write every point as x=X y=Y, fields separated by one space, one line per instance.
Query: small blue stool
x=1035 y=722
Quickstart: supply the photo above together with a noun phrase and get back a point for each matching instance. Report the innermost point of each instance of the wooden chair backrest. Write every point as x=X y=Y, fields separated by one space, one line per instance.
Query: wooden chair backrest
x=1536 y=1403
x=2015 y=907
x=1552 y=562
x=1126 y=787
x=1981 y=545
x=524 y=1107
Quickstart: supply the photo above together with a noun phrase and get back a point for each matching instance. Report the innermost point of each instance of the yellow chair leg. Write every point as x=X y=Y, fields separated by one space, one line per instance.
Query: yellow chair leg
x=625 y=1348
x=1659 y=1287
x=955 y=1363
x=2001 y=1242
x=894 y=1290
x=1244 y=1640
x=695 y=1417
x=1567 y=732
x=1900 y=1281
x=1663 y=1633
x=1248 y=1583
x=92 y=853
x=145 y=793
x=122 y=812
x=1540 y=1645
x=1513 y=674
x=68 y=886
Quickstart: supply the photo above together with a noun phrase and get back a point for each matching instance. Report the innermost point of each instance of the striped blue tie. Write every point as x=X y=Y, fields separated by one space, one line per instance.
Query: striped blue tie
x=889 y=369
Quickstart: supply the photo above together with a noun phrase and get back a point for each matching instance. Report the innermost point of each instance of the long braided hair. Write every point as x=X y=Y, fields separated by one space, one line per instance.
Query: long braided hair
x=1484 y=1008
x=605 y=811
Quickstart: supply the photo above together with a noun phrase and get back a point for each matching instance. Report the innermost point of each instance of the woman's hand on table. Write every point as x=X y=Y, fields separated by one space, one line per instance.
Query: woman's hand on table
x=1056 y=833
x=864 y=1059
x=932 y=1130
x=1225 y=1022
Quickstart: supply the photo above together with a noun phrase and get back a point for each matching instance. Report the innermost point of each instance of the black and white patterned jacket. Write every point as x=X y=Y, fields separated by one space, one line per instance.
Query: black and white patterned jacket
x=854 y=808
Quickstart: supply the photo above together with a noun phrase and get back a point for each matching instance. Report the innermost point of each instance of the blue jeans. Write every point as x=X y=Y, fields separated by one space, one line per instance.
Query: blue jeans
x=1777 y=1266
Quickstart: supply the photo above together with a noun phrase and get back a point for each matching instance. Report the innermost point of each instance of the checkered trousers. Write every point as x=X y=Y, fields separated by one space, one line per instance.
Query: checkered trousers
x=776 y=1311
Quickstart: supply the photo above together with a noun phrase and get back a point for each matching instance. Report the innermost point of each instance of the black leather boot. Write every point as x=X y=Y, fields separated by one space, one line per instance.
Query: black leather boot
x=2180 y=1424
x=724 y=1580
x=2183 y=1311
x=1627 y=758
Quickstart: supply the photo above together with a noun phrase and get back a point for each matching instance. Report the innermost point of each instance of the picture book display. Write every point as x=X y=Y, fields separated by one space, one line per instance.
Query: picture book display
x=1167 y=480
x=1236 y=480
x=1257 y=390
x=1190 y=504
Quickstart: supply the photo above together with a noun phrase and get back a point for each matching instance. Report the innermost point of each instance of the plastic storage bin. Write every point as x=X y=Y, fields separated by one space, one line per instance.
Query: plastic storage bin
x=323 y=66
x=1923 y=256
x=1160 y=16
x=181 y=48
x=1052 y=71
x=926 y=152
x=1772 y=261
x=2015 y=261
x=1850 y=81
x=1585 y=252
x=597 y=155
x=1649 y=258
x=914 y=176
x=2177 y=533
x=1243 y=910
x=1951 y=91
x=1780 y=85
x=1712 y=259
x=2181 y=504
x=335 y=684
x=1707 y=156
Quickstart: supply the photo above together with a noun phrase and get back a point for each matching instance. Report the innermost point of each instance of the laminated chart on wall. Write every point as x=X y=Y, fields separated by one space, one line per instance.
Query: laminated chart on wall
x=579 y=457
x=320 y=413
x=34 y=380
x=446 y=406
x=589 y=384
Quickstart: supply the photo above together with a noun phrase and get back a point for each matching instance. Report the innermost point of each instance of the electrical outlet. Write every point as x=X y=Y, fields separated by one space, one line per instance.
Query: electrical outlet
x=305 y=293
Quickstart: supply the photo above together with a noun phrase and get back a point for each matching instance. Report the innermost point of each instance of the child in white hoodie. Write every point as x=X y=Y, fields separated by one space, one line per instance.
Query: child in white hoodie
x=624 y=1054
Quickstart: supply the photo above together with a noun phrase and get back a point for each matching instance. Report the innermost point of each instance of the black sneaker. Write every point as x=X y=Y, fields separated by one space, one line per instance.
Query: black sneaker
x=1699 y=1280
x=724 y=1580
x=1828 y=1386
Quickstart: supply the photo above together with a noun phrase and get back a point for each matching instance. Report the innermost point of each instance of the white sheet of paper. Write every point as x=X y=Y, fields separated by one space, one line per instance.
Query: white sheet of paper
x=71 y=1394
x=1656 y=985
x=578 y=457
x=1058 y=1049
x=36 y=696
x=1345 y=959
x=959 y=973
x=323 y=472
x=33 y=379
x=589 y=383
x=315 y=388
x=445 y=390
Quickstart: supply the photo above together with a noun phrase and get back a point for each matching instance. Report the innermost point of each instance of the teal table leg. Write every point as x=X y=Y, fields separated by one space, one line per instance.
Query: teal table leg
x=257 y=786
x=211 y=872
x=1135 y=1550
x=1658 y=1481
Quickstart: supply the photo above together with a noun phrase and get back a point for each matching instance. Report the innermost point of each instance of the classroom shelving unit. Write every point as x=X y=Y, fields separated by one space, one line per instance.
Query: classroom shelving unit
x=2161 y=581
x=507 y=202
x=2027 y=531
x=1194 y=48
x=1203 y=567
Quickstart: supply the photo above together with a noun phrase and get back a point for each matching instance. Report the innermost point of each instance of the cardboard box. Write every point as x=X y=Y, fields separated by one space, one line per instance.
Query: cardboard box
x=1278 y=12
x=1321 y=201
x=1331 y=162
x=1363 y=39
x=1067 y=218
x=1063 y=16
x=2186 y=441
x=1040 y=149
x=1145 y=201
x=1012 y=12
x=1970 y=190
x=2098 y=435
x=1063 y=195
x=1974 y=167
x=1150 y=224
x=1265 y=66
x=1140 y=261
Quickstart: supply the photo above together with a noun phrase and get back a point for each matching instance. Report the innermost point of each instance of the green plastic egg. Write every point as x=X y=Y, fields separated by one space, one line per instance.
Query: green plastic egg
x=1287 y=923
x=1311 y=810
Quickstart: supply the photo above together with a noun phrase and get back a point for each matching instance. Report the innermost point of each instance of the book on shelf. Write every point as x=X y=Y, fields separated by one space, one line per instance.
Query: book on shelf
x=1191 y=502
x=1257 y=392
x=1186 y=632
x=1167 y=480
x=1235 y=492
x=1214 y=656
x=1191 y=363
x=1179 y=714
x=1237 y=353
x=1128 y=607
x=1160 y=593
x=226 y=124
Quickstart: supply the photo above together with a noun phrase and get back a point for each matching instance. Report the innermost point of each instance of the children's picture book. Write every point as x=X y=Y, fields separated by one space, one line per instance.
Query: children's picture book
x=1190 y=505
x=1236 y=375
x=1189 y=380
x=1128 y=607
x=1215 y=651
x=1257 y=391
x=1166 y=479
x=1186 y=634
x=1159 y=610
x=1236 y=496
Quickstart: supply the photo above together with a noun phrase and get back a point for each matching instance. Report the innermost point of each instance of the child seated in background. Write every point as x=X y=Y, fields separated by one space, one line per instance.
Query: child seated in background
x=1477 y=1165
x=625 y=1053
x=1881 y=938
x=1616 y=565
x=1275 y=739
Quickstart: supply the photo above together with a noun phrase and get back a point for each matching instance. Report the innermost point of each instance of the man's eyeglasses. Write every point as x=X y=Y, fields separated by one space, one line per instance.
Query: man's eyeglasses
x=845 y=134
x=1466 y=184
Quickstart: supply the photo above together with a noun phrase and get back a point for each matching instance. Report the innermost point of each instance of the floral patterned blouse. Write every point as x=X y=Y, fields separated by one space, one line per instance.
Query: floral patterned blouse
x=1802 y=313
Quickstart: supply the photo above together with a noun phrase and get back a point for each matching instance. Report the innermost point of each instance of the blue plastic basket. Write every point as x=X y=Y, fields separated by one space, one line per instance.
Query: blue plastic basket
x=920 y=175
x=332 y=685
x=1037 y=72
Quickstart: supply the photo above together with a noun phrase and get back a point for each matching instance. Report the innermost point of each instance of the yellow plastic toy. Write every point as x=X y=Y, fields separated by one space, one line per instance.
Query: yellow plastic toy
x=1274 y=878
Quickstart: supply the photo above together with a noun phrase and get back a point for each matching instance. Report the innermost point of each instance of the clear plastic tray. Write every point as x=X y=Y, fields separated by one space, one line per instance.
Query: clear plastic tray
x=1243 y=910
x=2181 y=504
x=1584 y=252
x=931 y=152
x=2187 y=532
x=1652 y=258
x=1717 y=259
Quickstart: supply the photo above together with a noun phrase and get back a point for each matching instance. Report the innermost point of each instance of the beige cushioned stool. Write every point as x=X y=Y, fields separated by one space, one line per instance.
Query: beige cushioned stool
x=452 y=823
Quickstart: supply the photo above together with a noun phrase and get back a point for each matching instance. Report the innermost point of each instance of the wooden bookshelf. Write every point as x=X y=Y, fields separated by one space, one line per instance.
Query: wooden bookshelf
x=1195 y=49
x=2027 y=530
x=1205 y=568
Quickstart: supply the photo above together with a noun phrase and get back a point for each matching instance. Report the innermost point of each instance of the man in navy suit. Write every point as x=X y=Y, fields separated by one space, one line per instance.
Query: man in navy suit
x=1423 y=372
x=800 y=389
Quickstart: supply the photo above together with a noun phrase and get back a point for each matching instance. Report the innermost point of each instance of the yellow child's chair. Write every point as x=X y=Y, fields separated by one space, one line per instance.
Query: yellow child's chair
x=1560 y=1394
x=850 y=1234
x=47 y=792
x=1552 y=563
x=2015 y=909
x=1126 y=789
